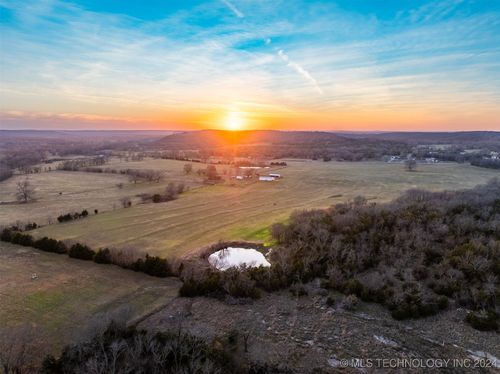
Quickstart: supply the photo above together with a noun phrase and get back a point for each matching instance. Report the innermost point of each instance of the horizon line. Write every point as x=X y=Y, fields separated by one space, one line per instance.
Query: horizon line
x=248 y=130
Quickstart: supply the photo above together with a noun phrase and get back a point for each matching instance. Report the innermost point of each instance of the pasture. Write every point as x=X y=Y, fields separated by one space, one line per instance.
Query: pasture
x=241 y=210
x=67 y=292
x=60 y=192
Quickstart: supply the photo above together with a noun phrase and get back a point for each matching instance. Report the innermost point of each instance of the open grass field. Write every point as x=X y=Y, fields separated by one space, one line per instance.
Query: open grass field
x=68 y=292
x=245 y=211
x=61 y=192
x=170 y=168
x=78 y=191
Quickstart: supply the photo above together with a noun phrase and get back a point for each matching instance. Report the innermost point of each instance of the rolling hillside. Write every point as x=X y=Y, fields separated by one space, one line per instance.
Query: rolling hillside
x=219 y=138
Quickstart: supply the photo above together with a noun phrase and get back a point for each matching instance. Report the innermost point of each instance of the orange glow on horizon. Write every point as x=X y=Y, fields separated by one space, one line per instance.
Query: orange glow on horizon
x=249 y=116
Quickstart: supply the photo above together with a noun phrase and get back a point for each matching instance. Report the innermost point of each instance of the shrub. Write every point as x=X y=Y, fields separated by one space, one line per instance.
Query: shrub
x=22 y=239
x=353 y=286
x=484 y=320
x=103 y=256
x=152 y=265
x=442 y=302
x=414 y=306
x=6 y=235
x=350 y=302
x=298 y=290
x=30 y=226
x=401 y=311
x=205 y=284
x=50 y=245
x=420 y=272
x=64 y=218
x=237 y=283
x=81 y=252
x=330 y=301
x=190 y=288
x=51 y=365
x=71 y=216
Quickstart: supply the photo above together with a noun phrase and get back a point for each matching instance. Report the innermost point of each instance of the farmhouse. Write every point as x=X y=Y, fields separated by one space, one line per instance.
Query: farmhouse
x=431 y=160
x=394 y=159
x=239 y=177
x=266 y=178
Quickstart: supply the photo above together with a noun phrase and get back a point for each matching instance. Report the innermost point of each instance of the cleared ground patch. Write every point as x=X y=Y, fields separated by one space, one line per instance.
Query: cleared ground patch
x=245 y=211
x=67 y=292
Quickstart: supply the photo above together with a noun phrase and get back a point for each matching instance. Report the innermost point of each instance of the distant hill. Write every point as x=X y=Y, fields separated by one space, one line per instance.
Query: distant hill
x=84 y=134
x=219 y=138
x=439 y=137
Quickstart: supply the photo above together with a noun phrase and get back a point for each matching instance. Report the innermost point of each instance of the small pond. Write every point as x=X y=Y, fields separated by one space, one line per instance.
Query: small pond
x=236 y=257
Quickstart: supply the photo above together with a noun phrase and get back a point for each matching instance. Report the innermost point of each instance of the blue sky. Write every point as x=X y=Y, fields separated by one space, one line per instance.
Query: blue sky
x=347 y=64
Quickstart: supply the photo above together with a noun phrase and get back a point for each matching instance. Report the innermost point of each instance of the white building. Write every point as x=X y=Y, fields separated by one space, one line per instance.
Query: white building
x=394 y=159
x=431 y=160
x=266 y=178
x=239 y=177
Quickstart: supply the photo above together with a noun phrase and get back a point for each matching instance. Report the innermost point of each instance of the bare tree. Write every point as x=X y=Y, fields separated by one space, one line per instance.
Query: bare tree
x=411 y=164
x=249 y=173
x=246 y=335
x=133 y=176
x=125 y=256
x=25 y=191
x=153 y=176
x=157 y=176
x=211 y=173
x=126 y=202
x=188 y=168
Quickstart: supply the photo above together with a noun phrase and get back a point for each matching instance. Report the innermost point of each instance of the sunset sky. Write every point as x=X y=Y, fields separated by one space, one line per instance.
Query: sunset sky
x=250 y=64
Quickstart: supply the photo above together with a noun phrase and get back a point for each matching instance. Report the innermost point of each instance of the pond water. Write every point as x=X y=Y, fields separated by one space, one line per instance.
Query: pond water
x=236 y=257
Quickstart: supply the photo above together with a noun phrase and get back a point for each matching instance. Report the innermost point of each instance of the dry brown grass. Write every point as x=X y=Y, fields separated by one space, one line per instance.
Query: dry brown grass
x=68 y=292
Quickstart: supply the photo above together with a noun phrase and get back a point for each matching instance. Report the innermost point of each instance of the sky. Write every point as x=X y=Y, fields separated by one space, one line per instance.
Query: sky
x=354 y=65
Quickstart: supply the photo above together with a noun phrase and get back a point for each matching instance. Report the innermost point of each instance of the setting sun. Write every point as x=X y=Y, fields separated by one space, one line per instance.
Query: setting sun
x=234 y=121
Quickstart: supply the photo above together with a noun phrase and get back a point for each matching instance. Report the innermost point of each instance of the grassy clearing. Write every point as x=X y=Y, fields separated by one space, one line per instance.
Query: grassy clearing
x=68 y=292
x=245 y=211
x=60 y=192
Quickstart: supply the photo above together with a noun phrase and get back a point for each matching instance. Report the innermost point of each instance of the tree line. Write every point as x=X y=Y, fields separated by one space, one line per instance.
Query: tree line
x=92 y=165
x=485 y=162
x=72 y=216
x=80 y=163
x=151 y=265
x=121 y=349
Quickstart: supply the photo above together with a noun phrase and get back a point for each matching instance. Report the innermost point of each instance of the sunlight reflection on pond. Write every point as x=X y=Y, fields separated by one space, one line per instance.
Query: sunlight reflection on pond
x=236 y=257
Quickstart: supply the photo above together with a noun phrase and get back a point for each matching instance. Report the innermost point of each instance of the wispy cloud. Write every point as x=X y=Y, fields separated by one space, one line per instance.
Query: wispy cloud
x=233 y=8
x=299 y=69
x=434 y=10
